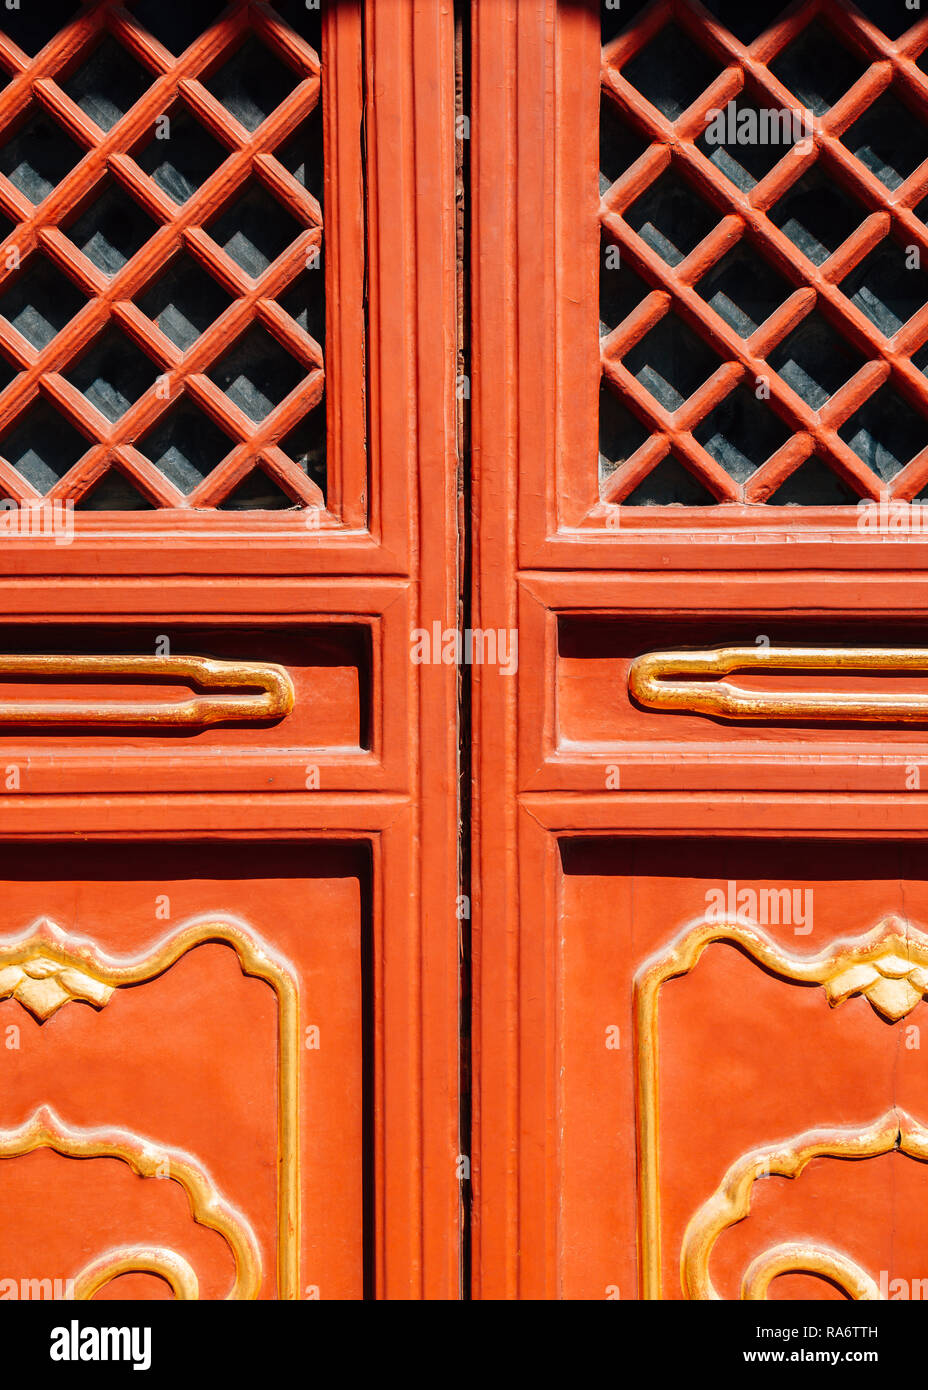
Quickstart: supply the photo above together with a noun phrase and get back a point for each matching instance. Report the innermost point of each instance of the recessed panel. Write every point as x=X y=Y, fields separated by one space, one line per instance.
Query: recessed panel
x=185 y=1048
x=598 y=711
x=736 y=1007
x=170 y=704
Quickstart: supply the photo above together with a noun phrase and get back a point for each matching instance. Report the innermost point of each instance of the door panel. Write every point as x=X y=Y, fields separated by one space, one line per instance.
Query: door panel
x=578 y=665
x=194 y=1060
x=340 y=732
x=735 y=342
x=688 y=366
x=747 y=1058
x=224 y=781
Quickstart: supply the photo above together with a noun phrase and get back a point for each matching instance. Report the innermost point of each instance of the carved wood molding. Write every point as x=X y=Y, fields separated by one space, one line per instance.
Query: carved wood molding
x=731 y=1203
x=888 y=966
x=74 y=968
x=44 y=1130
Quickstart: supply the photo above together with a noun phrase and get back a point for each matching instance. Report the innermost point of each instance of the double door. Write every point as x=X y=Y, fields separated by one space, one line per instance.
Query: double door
x=581 y=955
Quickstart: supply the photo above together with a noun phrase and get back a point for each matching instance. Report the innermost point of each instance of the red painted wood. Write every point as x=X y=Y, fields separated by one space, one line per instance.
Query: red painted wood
x=600 y=827
x=333 y=834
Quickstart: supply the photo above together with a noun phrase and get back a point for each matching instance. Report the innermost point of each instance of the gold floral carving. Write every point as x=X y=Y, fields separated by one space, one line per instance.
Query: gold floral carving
x=42 y=986
x=888 y=966
x=731 y=1203
x=44 y=1130
x=65 y=967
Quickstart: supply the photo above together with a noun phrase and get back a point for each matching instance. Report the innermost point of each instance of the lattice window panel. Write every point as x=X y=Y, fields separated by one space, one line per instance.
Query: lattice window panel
x=161 y=299
x=799 y=267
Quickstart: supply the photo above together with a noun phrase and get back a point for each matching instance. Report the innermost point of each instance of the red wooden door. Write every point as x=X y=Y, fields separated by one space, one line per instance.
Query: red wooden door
x=228 y=939
x=700 y=449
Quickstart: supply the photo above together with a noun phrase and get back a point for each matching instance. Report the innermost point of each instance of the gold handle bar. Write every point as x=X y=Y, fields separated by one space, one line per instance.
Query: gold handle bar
x=649 y=684
x=274 y=683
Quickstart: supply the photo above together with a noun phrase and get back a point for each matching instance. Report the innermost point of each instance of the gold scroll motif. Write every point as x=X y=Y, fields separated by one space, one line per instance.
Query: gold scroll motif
x=731 y=1203
x=67 y=968
x=133 y=1259
x=649 y=683
x=274 y=701
x=44 y=1130
x=888 y=966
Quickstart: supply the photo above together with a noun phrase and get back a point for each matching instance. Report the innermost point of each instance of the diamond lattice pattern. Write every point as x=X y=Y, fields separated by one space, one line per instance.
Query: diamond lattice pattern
x=161 y=285
x=764 y=275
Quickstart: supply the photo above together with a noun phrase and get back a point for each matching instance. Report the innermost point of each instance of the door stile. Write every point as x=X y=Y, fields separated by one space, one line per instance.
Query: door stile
x=497 y=1095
